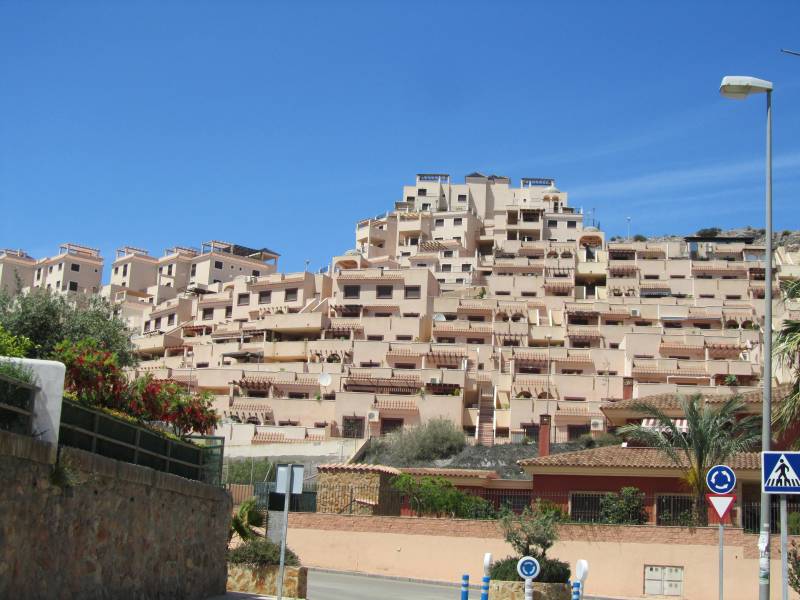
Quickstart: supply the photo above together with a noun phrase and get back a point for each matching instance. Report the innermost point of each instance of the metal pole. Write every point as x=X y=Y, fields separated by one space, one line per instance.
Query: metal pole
x=784 y=550
x=766 y=416
x=528 y=588
x=465 y=587
x=287 y=495
x=721 y=554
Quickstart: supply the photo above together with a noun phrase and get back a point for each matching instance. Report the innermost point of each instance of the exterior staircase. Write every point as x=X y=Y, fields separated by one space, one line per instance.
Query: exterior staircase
x=486 y=420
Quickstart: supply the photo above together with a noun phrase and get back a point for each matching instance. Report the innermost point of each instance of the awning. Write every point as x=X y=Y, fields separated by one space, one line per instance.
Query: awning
x=655 y=425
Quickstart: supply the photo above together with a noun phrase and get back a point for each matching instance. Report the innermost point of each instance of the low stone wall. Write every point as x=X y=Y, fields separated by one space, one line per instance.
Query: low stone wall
x=515 y=590
x=264 y=580
x=93 y=527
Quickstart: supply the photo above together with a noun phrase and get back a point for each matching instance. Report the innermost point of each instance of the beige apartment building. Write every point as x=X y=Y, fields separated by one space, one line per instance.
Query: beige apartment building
x=490 y=305
x=16 y=270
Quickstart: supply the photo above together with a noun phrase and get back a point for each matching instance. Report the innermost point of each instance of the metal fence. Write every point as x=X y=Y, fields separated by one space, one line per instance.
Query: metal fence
x=751 y=516
x=16 y=405
x=99 y=433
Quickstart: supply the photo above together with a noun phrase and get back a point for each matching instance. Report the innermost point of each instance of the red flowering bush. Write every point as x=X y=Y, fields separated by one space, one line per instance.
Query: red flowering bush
x=191 y=412
x=95 y=378
x=93 y=374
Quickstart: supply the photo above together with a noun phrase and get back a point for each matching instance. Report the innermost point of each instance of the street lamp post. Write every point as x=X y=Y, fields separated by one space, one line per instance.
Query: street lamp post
x=739 y=87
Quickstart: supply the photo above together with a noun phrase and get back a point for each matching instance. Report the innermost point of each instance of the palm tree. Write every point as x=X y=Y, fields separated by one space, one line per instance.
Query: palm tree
x=786 y=350
x=246 y=518
x=713 y=436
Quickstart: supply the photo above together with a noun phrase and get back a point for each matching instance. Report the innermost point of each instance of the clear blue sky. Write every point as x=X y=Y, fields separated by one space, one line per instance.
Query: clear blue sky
x=282 y=124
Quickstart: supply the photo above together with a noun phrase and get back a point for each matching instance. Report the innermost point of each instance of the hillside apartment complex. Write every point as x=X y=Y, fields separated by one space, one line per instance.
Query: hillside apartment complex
x=496 y=307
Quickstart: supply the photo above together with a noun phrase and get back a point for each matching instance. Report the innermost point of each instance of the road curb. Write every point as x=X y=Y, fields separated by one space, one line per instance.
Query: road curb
x=443 y=584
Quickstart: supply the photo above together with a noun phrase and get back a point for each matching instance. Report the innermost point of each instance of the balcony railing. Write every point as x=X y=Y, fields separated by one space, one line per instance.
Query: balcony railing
x=16 y=405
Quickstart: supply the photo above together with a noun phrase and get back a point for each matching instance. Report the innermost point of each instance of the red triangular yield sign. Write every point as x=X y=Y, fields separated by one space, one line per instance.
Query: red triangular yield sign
x=721 y=503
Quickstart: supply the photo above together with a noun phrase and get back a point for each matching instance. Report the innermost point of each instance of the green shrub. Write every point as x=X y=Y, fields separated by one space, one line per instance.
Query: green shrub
x=639 y=238
x=261 y=552
x=587 y=440
x=436 y=439
x=709 y=232
x=437 y=496
x=794 y=523
x=553 y=570
x=623 y=508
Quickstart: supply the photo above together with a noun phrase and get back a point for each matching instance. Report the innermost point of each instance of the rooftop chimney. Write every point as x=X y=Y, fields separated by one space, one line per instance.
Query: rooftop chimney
x=544 y=435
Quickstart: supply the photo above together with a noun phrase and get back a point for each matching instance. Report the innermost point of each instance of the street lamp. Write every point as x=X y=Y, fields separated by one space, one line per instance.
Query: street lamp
x=740 y=87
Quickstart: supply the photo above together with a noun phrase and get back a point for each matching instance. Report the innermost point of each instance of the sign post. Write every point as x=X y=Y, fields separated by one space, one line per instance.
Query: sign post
x=779 y=476
x=721 y=480
x=528 y=568
x=288 y=481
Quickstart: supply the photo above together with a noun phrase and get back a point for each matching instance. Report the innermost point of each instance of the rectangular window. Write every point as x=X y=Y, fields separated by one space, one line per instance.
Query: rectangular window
x=60 y=266
x=447 y=253
x=116 y=270
x=462 y=197
x=256 y=273
x=228 y=312
x=74 y=267
x=38 y=273
x=571 y=224
x=466 y=268
x=171 y=319
x=458 y=221
x=352 y=291
x=412 y=292
x=147 y=325
x=353 y=427
x=73 y=286
x=375 y=338
x=217 y=264
x=384 y=292
x=243 y=300
x=169 y=269
x=403 y=338
x=290 y=295
x=584 y=507
x=264 y=297
x=208 y=314
x=426 y=206
x=439 y=223
x=446 y=268
x=157 y=323
x=552 y=223
x=193 y=271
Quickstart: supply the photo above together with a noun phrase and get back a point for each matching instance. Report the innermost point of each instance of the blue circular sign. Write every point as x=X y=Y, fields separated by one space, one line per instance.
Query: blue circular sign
x=528 y=567
x=721 y=479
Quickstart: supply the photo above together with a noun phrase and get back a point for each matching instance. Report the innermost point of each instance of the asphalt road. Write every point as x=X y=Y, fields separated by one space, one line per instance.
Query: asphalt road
x=343 y=586
x=339 y=586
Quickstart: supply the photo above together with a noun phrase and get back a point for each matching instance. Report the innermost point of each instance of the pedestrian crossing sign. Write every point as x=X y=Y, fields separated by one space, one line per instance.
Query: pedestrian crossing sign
x=779 y=472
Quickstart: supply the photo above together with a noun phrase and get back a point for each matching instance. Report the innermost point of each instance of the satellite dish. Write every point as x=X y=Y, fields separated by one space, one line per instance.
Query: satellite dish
x=324 y=379
x=439 y=317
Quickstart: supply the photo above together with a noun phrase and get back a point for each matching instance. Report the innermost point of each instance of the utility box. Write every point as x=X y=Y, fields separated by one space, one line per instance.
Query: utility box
x=663 y=580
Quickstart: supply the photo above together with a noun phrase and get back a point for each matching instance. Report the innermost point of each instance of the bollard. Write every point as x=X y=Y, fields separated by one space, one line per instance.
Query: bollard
x=485 y=588
x=576 y=590
x=465 y=587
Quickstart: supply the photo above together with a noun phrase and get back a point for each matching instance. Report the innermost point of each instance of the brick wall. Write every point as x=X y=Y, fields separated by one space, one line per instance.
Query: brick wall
x=116 y=531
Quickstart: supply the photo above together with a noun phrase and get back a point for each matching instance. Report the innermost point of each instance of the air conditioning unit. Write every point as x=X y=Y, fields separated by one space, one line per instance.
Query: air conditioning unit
x=597 y=425
x=635 y=312
x=434 y=380
x=373 y=416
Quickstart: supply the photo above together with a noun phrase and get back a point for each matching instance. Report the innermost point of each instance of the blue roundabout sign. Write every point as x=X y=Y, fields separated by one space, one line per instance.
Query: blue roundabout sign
x=721 y=479
x=528 y=567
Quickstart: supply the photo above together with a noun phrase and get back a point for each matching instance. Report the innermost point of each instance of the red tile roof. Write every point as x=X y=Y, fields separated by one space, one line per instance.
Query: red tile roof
x=357 y=468
x=444 y=472
x=632 y=458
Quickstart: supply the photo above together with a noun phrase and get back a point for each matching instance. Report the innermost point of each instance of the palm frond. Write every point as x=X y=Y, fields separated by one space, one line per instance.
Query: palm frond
x=791 y=289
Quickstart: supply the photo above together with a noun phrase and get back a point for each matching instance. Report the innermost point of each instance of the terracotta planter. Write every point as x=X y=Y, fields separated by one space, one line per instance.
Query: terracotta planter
x=515 y=590
x=263 y=580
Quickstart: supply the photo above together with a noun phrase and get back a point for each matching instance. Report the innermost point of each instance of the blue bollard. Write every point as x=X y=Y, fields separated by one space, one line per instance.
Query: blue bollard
x=465 y=587
x=576 y=590
x=485 y=588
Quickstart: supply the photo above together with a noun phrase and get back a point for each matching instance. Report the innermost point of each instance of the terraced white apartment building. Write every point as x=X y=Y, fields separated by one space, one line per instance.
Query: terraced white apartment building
x=497 y=307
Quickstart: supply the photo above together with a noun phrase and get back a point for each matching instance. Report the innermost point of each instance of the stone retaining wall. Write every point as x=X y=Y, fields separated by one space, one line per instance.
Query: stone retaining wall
x=264 y=580
x=93 y=527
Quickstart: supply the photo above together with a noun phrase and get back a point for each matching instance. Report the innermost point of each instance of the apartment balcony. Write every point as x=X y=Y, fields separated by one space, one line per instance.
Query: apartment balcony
x=156 y=342
x=292 y=322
